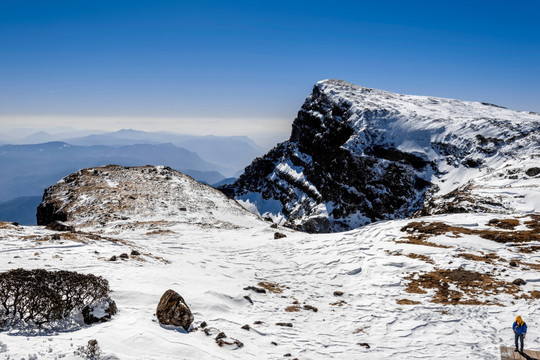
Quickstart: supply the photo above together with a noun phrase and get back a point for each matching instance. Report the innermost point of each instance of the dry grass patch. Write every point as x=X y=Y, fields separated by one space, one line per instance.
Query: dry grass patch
x=487 y=258
x=293 y=308
x=160 y=232
x=361 y=330
x=528 y=249
x=422 y=257
x=468 y=284
x=420 y=231
x=507 y=224
x=339 y=303
x=8 y=225
x=272 y=287
x=407 y=302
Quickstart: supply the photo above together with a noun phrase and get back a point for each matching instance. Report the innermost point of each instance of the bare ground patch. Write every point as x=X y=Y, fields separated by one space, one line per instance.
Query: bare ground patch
x=419 y=231
x=272 y=287
x=459 y=286
x=422 y=257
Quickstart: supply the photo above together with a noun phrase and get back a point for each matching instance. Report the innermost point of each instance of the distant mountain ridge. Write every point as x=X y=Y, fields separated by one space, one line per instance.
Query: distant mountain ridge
x=28 y=169
x=358 y=155
x=233 y=153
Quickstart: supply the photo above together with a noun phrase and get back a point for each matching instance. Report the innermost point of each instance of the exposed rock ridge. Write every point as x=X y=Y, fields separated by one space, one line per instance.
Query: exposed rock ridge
x=358 y=155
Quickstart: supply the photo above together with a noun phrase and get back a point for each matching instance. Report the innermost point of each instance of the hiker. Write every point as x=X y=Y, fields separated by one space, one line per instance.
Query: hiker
x=520 y=331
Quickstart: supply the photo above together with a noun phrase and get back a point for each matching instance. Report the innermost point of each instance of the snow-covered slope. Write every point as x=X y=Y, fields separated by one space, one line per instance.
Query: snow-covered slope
x=435 y=288
x=358 y=155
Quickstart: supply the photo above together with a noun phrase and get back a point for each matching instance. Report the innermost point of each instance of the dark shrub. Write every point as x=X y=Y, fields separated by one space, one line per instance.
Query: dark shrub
x=39 y=296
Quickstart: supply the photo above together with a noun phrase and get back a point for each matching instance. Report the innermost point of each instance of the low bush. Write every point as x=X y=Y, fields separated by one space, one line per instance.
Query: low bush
x=36 y=297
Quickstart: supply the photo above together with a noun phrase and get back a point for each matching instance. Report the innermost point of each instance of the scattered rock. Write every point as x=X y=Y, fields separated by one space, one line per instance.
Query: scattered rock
x=274 y=343
x=513 y=263
x=135 y=253
x=366 y=345
x=519 y=281
x=221 y=342
x=284 y=324
x=203 y=325
x=256 y=289
x=278 y=235
x=533 y=171
x=338 y=293
x=248 y=299
x=258 y=322
x=59 y=226
x=274 y=226
x=246 y=327
x=173 y=310
x=124 y=256
x=99 y=311
x=312 y=308
x=113 y=258
x=287 y=355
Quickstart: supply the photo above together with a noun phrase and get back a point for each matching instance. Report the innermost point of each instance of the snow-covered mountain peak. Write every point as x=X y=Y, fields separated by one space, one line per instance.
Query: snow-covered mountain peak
x=357 y=155
x=115 y=197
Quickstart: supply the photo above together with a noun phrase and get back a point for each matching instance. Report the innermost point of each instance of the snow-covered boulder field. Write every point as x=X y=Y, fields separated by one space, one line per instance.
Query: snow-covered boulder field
x=358 y=155
x=439 y=286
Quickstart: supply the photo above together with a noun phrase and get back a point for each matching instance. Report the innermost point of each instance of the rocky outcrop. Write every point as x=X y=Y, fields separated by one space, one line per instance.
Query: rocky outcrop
x=358 y=155
x=173 y=310
x=144 y=196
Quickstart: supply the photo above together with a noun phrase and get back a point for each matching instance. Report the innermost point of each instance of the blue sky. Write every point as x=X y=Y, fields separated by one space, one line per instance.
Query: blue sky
x=247 y=66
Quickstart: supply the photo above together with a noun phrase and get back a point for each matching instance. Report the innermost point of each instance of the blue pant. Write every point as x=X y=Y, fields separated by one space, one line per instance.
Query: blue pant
x=520 y=337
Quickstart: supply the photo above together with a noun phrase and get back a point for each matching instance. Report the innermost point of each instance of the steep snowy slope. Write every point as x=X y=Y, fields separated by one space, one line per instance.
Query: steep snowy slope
x=357 y=155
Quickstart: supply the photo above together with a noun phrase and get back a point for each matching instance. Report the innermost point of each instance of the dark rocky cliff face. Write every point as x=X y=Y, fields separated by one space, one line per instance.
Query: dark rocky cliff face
x=358 y=155
x=379 y=183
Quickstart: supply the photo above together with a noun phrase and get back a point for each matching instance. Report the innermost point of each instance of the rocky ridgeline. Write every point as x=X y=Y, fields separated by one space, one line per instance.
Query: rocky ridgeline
x=114 y=197
x=358 y=155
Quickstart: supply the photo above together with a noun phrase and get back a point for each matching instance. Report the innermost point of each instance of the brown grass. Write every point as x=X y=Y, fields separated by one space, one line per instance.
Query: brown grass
x=422 y=257
x=507 y=224
x=7 y=225
x=361 y=330
x=293 y=308
x=471 y=284
x=272 y=287
x=420 y=231
x=487 y=258
x=339 y=303
x=407 y=302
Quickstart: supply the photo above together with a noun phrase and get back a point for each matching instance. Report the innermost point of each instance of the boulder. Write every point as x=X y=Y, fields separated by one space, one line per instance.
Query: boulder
x=173 y=310
x=99 y=311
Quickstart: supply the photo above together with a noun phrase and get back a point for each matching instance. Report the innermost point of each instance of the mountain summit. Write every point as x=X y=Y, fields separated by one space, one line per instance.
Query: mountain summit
x=358 y=155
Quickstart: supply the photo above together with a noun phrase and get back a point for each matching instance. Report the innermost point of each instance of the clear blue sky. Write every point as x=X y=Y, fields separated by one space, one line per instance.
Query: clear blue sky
x=256 y=59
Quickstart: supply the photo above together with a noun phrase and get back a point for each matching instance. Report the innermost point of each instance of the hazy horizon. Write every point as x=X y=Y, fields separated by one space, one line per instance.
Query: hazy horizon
x=241 y=68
